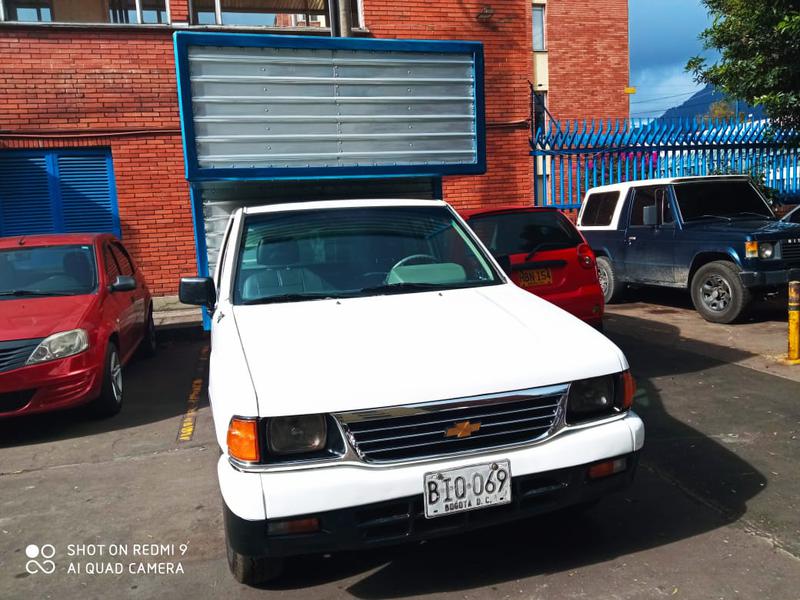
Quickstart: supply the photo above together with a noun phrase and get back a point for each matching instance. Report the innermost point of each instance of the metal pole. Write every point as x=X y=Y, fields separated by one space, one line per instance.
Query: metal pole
x=333 y=18
x=794 y=321
x=345 y=21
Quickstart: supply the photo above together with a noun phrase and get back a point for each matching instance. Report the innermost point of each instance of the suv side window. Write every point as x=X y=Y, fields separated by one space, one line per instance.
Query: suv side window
x=643 y=197
x=599 y=210
x=665 y=210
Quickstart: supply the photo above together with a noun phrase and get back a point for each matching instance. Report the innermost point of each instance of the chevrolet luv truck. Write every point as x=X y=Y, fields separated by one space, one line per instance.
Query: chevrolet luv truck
x=715 y=236
x=376 y=378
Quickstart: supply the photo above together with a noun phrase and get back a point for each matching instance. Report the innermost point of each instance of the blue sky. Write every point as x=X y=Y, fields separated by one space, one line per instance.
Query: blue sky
x=663 y=36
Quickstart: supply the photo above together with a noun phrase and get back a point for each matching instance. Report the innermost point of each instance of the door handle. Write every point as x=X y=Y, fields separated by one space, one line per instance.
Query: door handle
x=631 y=239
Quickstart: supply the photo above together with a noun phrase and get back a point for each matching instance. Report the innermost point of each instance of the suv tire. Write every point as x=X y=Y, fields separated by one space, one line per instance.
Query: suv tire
x=718 y=294
x=252 y=570
x=612 y=287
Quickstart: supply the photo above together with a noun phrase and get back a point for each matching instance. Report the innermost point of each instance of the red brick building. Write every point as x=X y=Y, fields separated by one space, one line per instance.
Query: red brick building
x=99 y=75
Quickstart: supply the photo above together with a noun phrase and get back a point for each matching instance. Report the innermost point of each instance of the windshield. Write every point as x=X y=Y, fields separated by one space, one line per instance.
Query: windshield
x=351 y=252
x=722 y=199
x=525 y=232
x=47 y=271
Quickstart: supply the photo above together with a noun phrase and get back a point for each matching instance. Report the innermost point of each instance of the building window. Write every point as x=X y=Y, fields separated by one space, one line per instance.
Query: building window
x=266 y=13
x=28 y=11
x=538 y=28
x=86 y=11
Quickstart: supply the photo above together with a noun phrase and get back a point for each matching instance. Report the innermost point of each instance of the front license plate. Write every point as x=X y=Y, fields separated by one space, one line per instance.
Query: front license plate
x=467 y=488
x=535 y=277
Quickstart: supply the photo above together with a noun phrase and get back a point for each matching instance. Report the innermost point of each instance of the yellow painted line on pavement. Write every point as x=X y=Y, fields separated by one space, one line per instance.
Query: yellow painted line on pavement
x=189 y=419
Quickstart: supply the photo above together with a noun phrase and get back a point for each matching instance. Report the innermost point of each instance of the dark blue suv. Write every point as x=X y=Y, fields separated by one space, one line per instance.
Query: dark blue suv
x=716 y=236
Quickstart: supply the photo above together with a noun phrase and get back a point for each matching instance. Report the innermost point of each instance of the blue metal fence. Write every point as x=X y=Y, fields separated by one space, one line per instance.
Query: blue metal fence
x=573 y=156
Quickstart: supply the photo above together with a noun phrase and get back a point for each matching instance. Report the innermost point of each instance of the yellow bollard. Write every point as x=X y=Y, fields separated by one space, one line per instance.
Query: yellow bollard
x=794 y=320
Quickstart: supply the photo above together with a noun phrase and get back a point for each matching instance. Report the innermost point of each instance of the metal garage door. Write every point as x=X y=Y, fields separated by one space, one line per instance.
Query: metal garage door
x=57 y=191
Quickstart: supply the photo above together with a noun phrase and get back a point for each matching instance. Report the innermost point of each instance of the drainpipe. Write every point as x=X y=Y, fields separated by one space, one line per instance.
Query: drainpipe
x=339 y=18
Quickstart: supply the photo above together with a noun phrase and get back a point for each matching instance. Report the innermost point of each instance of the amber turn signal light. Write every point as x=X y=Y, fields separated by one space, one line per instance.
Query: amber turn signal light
x=609 y=467
x=294 y=526
x=243 y=440
x=628 y=390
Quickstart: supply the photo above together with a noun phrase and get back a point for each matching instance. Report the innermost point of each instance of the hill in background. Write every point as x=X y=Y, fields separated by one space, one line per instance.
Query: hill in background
x=700 y=105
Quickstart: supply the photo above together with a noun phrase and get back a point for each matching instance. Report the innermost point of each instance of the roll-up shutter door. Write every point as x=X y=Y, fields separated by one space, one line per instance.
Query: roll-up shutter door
x=57 y=192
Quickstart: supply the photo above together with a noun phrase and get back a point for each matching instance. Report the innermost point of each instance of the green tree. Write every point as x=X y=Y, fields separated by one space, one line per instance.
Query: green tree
x=720 y=110
x=759 y=46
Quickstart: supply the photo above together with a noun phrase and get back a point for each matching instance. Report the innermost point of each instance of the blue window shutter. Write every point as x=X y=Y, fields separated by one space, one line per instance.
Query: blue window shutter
x=87 y=200
x=25 y=202
x=57 y=191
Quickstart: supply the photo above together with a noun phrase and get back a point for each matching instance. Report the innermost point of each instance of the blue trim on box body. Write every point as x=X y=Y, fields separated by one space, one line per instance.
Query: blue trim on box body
x=184 y=39
x=200 y=247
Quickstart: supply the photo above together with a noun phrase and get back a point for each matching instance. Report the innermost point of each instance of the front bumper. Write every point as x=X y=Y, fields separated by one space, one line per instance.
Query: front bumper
x=403 y=520
x=780 y=277
x=49 y=386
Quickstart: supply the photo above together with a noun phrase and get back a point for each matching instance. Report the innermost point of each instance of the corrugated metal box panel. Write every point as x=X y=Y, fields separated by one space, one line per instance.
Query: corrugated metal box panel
x=274 y=106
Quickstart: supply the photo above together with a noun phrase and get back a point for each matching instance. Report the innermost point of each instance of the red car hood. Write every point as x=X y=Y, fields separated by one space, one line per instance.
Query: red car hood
x=28 y=318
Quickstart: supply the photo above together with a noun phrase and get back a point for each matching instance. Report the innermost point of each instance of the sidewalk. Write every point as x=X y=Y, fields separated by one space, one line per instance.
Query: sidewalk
x=168 y=312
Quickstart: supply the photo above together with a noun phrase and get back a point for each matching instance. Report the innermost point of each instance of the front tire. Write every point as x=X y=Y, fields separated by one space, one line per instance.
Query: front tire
x=252 y=570
x=612 y=287
x=718 y=294
x=109 y=403
x=149 y=344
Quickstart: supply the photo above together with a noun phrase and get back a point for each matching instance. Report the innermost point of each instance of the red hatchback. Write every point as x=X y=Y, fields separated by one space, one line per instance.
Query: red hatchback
x=73 y=309
x=546 y=254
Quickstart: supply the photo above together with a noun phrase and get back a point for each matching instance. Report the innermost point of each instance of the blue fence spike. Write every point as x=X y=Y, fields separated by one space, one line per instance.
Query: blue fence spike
x=580 y=153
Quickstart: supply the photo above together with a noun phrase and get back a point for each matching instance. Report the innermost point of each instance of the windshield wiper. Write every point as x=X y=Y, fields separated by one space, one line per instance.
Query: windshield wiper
x=755 y=214
x=399 y=288
x=292 y=298
x=723 y=217
x=550 y=245
x=31 y=293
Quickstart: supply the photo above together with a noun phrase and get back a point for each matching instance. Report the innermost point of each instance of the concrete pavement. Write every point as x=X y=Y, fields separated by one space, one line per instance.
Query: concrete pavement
x=713 y=513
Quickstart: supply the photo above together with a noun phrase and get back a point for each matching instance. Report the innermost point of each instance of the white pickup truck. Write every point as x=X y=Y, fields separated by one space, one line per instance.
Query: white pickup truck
x=376 y=378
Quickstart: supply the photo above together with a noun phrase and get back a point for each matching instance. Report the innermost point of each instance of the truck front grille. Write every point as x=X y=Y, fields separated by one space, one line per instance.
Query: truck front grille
x=456 y=426
x=16 y=353
x=790 y=250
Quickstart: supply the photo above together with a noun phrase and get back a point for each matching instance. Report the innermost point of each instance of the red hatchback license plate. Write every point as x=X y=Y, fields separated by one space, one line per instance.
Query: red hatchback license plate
x=535 y=277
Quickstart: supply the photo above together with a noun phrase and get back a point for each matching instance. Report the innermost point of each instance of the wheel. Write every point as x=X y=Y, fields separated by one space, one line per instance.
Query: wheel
x=149 y=343
x=252 y=570
x=109 y=402
x=611 y=286
x=718 y=294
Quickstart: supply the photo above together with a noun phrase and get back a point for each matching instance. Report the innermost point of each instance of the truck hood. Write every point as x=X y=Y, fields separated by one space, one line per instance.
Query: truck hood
x=339 y=355
x=28 y=318
x=757 y=227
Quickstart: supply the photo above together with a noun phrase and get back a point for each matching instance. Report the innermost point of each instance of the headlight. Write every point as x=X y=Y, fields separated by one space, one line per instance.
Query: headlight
x=600 y=397
x=60 y=345
x=297 y=434
x=766 y=250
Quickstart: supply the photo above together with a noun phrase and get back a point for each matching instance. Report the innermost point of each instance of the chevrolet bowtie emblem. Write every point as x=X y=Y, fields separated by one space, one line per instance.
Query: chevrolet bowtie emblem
x=462 y=429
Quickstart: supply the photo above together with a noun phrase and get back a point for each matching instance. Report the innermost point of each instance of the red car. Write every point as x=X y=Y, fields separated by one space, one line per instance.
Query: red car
x=73 y=309
x=546 y=255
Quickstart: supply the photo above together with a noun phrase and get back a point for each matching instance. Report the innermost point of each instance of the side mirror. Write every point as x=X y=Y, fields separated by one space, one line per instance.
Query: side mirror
x=505 y=263
x=199 y=291
x=123 y=283
x=650 y=215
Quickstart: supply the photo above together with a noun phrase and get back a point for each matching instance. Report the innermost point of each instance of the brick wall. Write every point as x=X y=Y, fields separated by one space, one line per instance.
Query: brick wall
x=115 y=87
x=587 y=43
x=67 y=87
x=506 y=35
